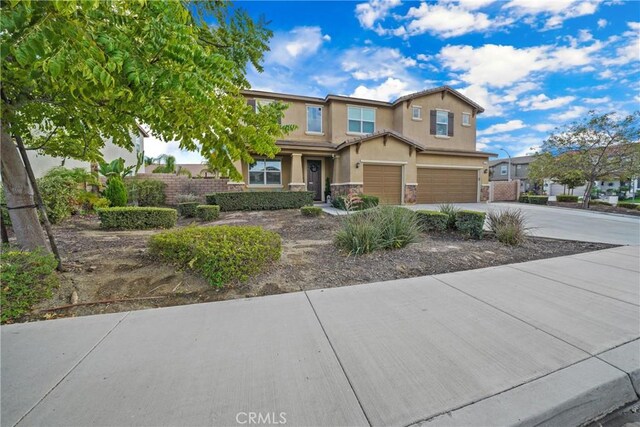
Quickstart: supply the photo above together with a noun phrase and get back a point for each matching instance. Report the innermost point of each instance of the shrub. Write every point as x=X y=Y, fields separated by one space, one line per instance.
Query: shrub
x=450 y=211
x=432 y=220
x=187 y=209
x=116 y=191
x=470 y=223
x=207 y=212
x=146 y=192
x=362 y=201
x=627 y=205
x=567 y=198
x=599 y=202
x=260 y=200
x=184 y=198
x=60 y=194
x=221 y=254
x=27 y=278
x=311 y=211
x=538 y=200
x=137 y=218
x=509 y=226
x=383 y=227
x=524 y=198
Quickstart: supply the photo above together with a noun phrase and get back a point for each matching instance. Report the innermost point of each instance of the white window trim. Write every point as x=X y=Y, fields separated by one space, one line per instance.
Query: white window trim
x=306 y=109
x=361 y=120
x=419 y=108
x=265 y=185
x=462 y=119
x=446 y=135
x=503 y=170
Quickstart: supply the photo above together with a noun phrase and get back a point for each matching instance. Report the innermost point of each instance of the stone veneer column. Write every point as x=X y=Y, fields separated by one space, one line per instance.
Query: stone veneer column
x=484 y=192
x=410 y=193
x=297 y=180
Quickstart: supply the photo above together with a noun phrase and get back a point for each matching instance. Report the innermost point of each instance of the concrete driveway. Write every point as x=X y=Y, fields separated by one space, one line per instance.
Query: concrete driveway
x=569 y=224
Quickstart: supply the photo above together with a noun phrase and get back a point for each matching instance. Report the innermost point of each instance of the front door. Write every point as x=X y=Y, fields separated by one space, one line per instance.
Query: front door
x=314 y=178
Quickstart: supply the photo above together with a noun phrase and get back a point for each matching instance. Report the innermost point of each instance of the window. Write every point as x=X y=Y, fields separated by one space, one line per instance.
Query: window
x=314 y=119
x=466 y=119
x=361 y=120
x=266 y=172
x=261 y=103
x=503 y=169
x=442 y=123
x=416 y=113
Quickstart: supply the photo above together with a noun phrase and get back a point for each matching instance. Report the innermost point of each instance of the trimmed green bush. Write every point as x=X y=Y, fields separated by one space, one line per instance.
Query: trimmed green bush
x=207 y=212
x=627 y=205
x=27 y=278
x=60 y=194
x=450 y=211
x=260 y=200
x=382 y=227
x=432 y=220
x=567 y=198
x=538 y=200
x=366 y=202
x=137 y=218
x=146 y=192
x=221 y=254
x=599 y=202
x=524 y=198
x=187 y=209
x=470 y=223
x=116 y=191
x=509 y=226
x=311 y=211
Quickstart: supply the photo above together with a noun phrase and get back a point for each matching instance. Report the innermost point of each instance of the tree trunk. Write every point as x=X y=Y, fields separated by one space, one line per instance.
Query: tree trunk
x=19 y=195
x=587 y=195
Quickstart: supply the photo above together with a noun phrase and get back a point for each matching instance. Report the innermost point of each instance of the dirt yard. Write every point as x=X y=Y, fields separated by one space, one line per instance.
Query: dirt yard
x=113 y=268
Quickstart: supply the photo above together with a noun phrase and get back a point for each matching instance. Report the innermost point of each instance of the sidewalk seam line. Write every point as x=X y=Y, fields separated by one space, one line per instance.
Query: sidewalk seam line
x=72 y=368
x=600 y=263
x=568 y=284
x=335 y=353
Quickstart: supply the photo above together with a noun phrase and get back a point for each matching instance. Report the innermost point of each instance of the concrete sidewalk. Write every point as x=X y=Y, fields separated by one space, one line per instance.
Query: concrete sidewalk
x=551 y=342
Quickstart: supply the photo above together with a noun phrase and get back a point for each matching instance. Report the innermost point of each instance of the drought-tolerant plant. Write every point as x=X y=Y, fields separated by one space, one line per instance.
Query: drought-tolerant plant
x=27 y=278
x=355 y=202
x=137 y=218
x=207 y=212
x=567 y=198
x=470 y=223
x=509 y=226
x=450 y=211
x=184 y=198
x=221 y=254
x=187 y=209
x=400 y=226
x=146 y=192
x=311 y=210
x=432 y=220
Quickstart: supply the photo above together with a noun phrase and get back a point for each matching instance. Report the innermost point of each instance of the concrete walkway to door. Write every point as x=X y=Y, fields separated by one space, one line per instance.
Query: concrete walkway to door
x=551 y=342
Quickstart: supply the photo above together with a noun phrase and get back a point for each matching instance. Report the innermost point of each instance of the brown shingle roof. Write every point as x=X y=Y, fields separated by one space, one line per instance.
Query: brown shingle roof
x=381 y=132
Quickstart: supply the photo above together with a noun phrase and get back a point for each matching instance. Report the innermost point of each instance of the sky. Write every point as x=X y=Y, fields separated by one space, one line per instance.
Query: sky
x=534 y=65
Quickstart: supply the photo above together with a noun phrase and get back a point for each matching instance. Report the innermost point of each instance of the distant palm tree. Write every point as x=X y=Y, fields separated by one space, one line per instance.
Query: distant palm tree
x=169 y=165
x=208 y=169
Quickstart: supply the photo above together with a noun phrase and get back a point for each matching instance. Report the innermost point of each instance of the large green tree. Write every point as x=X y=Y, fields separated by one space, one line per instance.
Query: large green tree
x=76 y=72
x=600 y=146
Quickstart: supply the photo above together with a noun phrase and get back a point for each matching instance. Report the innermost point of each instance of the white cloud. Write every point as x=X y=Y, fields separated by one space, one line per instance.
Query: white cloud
x=326 y=37
x=603 y=100
x=445 y=20
x=502 y=127
x=602 y=23
x=606 y=74
x=374 y=10
x=290 y=47
x=543 y=102
x=543 y=127
x=389 y=90
x=555 y=12
x=471 y=4
x=374 y=63
x=570 y=114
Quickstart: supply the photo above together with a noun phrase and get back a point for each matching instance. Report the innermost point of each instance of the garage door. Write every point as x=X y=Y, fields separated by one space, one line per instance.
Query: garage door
x=447 y=185
x=384 y=182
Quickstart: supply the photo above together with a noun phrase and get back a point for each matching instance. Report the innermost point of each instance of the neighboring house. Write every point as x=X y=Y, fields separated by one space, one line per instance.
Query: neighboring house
x=499 y=170
x=420 y=148
x=41 y=164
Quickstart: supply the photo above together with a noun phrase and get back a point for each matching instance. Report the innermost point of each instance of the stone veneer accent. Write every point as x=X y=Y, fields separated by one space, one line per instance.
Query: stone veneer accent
x=297 y=187
x=181 y=184
x=410 y=193
x=484 y=193
x=343 y=189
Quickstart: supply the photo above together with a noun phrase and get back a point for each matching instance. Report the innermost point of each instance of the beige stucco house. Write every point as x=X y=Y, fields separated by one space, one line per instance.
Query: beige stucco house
x=420 y=148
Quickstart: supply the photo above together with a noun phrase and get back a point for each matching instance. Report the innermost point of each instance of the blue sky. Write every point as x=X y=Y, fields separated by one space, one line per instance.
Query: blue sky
x=532 y=64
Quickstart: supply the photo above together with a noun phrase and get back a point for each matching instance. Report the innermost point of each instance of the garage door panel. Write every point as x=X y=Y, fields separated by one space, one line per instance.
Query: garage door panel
x=384 y=182
x=447 y=185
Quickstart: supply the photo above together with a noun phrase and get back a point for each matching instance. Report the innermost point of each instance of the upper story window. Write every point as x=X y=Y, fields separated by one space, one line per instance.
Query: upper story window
x=503 y=169
x=416 y=112
x=442 y=123
x=361 y=120
x=265 y=172
x=466 y=119
x=314 y=119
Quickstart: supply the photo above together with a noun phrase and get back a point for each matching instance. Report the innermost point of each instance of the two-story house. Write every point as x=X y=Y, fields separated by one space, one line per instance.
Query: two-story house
x=420 y=148
x=499 y=170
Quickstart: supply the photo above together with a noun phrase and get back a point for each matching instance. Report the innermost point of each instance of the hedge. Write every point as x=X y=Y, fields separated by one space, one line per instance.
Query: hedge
x=221 y=254
x=187 y=209
x=432 y=220
x=260 y=200
x=311 y=211
x=599 y=202
x=566 y=198
x=146 y=192
x=538 y=200
x=137 y=218
x=524 y=198
x=627 y=205
x=366 y=203
x=470 y=223
x=207 y=212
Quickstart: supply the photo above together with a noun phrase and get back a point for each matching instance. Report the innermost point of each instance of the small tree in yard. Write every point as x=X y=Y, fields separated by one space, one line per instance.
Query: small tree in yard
x=597 y=147
x=76 y=72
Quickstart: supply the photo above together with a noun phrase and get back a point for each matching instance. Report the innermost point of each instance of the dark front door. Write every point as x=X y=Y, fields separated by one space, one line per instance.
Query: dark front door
x=314 y=178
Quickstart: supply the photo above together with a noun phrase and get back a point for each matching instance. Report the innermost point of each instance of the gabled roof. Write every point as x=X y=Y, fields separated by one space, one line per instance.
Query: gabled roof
x=382 y=132
x=447 y=89
x=522 y=160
